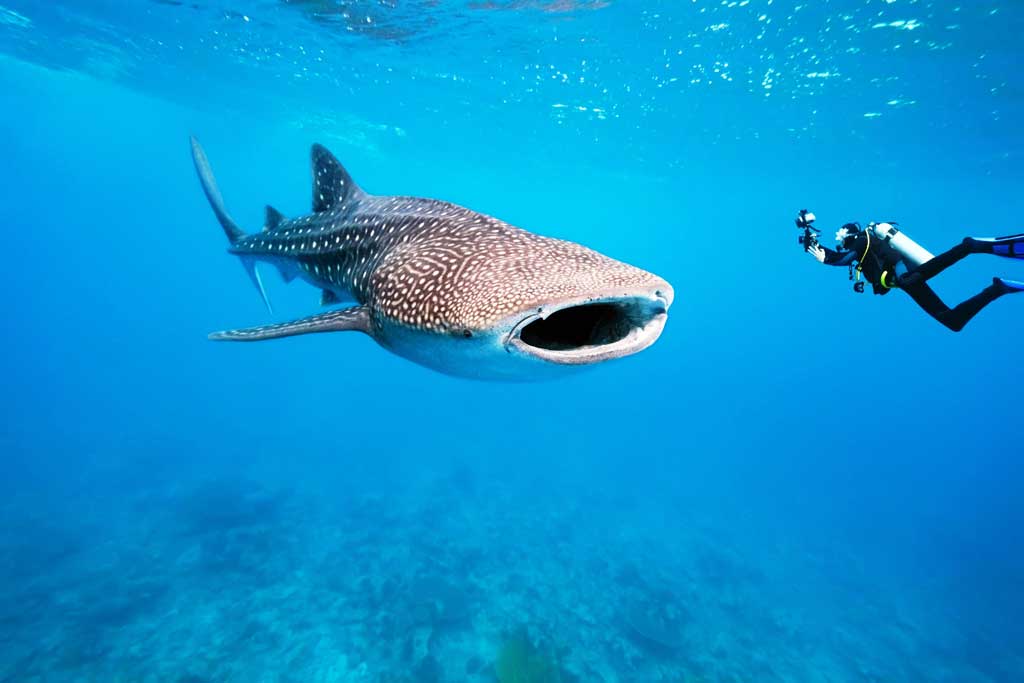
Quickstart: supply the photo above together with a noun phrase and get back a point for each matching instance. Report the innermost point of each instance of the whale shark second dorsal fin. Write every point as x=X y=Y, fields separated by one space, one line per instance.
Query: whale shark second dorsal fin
x=332 y=185
x=274 y=219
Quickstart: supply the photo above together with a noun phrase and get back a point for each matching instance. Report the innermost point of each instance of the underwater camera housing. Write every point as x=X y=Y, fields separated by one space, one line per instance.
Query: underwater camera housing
x=805 y=221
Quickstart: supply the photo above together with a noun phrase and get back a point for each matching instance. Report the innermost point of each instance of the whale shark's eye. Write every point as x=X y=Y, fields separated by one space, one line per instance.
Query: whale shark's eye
x=467 y=334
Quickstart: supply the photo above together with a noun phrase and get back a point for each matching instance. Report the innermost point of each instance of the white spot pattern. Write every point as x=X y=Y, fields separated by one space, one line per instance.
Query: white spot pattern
x=430 y=264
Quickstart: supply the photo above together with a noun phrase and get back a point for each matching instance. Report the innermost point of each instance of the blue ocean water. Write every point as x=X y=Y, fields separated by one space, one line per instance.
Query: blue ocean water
x=795 y=483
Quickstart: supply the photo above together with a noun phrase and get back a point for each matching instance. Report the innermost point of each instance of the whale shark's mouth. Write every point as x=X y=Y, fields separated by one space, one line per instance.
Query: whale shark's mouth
x=592 y=330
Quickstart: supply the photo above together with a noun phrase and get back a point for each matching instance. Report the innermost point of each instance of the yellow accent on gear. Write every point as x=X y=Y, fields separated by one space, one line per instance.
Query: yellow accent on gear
x=867 y=248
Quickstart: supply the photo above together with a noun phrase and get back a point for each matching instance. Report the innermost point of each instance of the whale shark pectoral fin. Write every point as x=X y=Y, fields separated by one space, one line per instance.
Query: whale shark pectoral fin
x=332 y=185
x=356 y=319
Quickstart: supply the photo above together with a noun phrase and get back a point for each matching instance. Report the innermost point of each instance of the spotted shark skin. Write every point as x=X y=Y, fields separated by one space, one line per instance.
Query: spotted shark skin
x=452 y=289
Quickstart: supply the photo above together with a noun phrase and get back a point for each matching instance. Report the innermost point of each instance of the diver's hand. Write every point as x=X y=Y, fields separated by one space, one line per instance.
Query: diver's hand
x=816 y=251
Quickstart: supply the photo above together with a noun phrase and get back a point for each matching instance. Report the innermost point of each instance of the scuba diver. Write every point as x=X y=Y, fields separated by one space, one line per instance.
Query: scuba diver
x=889 y=260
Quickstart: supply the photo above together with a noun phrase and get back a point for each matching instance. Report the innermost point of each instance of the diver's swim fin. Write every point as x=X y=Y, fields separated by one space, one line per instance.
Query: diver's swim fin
x=1011 y=246
x=1008 y=286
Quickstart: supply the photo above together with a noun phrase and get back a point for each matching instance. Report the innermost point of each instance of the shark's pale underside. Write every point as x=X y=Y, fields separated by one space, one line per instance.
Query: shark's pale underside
x=444 y=286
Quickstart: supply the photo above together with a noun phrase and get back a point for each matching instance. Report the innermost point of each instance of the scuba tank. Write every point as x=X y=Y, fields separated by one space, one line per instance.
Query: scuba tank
x=912 y=253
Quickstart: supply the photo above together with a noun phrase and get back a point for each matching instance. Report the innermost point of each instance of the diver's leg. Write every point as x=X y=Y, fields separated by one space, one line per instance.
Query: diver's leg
x=929 y=269
x=928 y=300
x=1011 y=246
x=955 y=318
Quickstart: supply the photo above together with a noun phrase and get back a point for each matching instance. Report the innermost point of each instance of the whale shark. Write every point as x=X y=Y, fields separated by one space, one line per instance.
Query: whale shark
x=454 y=290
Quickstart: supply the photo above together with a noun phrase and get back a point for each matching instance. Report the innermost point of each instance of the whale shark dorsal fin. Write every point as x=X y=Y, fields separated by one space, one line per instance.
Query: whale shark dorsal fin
x=274 y=219
x=332 y=185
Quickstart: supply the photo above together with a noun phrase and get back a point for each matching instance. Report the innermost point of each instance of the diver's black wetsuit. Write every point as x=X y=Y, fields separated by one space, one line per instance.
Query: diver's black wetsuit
x=878 y=261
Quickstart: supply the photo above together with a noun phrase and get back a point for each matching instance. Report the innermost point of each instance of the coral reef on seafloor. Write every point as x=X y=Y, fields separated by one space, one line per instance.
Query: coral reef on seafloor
x=461 y=579
x=519 y=661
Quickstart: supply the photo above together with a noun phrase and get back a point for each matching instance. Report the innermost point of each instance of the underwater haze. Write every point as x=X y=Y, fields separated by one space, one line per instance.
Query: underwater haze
x=796 y=483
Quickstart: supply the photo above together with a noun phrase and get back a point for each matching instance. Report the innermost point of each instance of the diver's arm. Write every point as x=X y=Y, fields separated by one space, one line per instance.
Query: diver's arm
x=830 y=257
x=838 y=258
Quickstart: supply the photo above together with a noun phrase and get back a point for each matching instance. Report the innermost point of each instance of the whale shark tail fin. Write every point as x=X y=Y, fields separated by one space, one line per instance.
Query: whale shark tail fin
x=231 y=229
x=212 y=192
